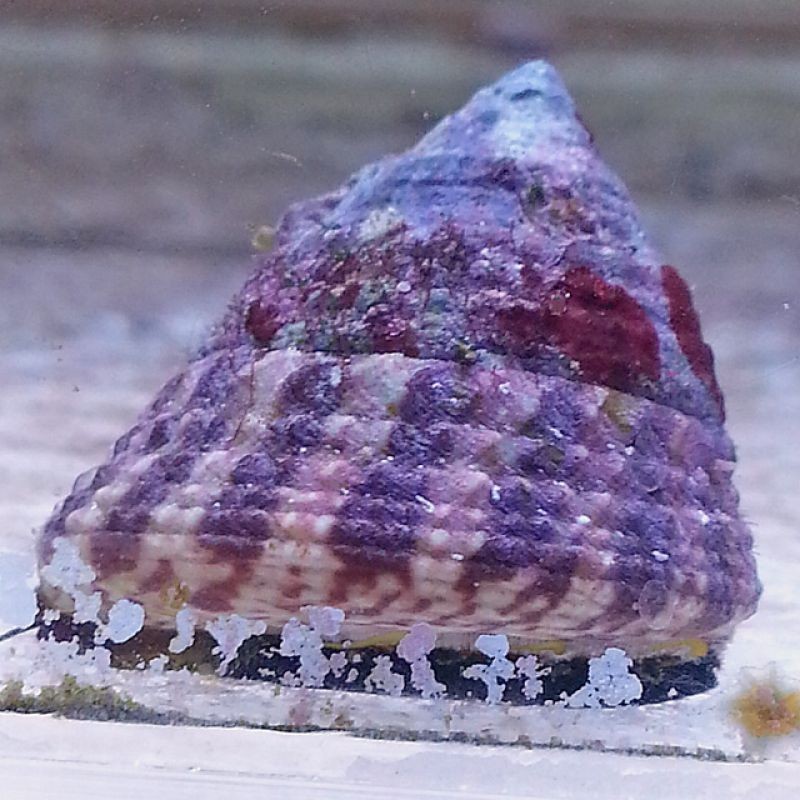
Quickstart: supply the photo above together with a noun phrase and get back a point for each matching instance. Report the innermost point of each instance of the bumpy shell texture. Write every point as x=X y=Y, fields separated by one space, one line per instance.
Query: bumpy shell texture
x=462 y=389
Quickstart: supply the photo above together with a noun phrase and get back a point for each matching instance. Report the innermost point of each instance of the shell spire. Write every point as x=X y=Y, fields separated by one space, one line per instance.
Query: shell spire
x=529 y=244
x=462 y=389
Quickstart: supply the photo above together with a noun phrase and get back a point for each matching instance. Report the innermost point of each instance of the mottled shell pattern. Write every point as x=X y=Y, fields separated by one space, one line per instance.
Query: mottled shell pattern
x=462 y=389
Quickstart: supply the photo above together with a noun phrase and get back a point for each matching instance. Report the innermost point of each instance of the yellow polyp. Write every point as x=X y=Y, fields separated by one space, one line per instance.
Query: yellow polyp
x=174 y=596
x=615 y=408
x=555 y=646
x=765 y=709
x=696 y=648
x=263 y=238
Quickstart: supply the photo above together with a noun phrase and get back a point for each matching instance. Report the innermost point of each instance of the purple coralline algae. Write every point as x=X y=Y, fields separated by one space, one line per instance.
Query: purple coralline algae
x=462 y=390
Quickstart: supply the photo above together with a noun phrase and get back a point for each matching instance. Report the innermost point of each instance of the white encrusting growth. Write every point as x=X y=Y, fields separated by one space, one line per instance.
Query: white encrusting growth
x=87 y=606
x=326 y=620
x=157 y=665
x=352 y=675
x=60 y=659
x=231 y=632
x=185 y=621
x=306 y=642
x=528 y=667
x=611 y=683
x=50 y=615
x=497 y=671
x=338 y=662
x=414 y=648
x=382 y=679
x=125 y=620
x=66 y=569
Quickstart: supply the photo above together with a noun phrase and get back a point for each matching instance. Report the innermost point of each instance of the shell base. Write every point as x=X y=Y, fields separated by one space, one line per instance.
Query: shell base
x=663 y=676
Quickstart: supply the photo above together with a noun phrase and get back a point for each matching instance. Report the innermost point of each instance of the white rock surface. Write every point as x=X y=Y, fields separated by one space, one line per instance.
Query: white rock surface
x=41 y=757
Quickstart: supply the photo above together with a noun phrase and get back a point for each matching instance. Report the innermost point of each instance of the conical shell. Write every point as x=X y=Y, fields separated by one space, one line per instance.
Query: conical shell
x=462 y=389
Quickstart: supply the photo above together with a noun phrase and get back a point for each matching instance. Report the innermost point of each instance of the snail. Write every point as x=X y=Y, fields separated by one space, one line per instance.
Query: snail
x=461 y=390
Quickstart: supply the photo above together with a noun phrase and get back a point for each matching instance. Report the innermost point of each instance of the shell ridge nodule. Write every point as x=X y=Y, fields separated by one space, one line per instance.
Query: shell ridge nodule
x=462 y=391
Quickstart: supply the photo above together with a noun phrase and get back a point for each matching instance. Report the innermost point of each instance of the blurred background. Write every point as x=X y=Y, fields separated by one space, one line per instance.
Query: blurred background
x=141 y=143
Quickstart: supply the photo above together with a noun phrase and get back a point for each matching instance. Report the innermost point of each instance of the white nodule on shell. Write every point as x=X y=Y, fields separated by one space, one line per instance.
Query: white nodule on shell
x=141 y=465
x=106 y=496
x=83 y=519
x=191 y=495
x=171 y=518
